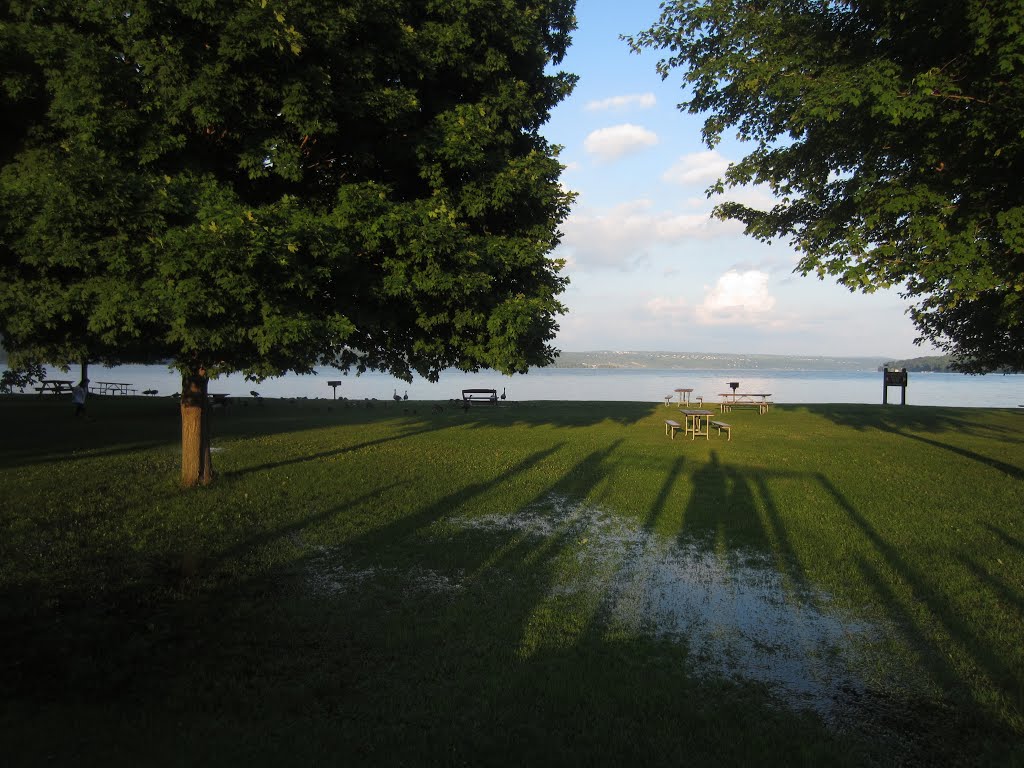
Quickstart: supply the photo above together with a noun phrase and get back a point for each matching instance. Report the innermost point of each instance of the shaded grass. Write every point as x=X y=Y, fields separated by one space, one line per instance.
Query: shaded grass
x=272 y=617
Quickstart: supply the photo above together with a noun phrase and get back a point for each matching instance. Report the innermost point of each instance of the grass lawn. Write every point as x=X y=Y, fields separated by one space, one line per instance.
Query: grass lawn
x=538 y=582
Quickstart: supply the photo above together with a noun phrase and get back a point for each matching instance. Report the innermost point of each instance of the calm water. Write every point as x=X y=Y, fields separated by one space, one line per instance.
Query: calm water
x=991 y=391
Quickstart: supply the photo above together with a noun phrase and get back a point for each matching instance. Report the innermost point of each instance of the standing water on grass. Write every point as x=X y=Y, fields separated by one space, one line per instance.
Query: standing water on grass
x=596 y=384
x=738 y=616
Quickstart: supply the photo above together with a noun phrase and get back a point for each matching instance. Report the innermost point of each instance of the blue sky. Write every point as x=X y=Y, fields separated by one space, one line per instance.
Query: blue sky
x=649 y=269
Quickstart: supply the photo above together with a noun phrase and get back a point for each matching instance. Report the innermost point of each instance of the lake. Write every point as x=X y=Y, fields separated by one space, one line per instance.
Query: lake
x=637 y=385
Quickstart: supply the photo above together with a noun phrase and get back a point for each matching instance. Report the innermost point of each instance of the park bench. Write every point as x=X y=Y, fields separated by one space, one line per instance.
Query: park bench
x=219 y=400
x=671 y=427
x=480 y=395
x=720 y=425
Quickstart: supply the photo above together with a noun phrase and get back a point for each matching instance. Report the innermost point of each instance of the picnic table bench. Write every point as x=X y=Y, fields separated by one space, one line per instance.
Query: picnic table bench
x=720 y=425
x=482 y=395
x=113 y=388
x=732 y=400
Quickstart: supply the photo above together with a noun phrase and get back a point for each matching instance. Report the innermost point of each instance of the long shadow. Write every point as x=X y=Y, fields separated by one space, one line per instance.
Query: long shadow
x=722 y=509
x=1007 y=538
x=21 y=457
x=1012 y=470
x=269 y=536
x=782 y=546
x=908 y=423
x=1000 y=674
x=326 y=454
x=1007 y=594
x=659 y=505
x=917 y=418
x=400 y=528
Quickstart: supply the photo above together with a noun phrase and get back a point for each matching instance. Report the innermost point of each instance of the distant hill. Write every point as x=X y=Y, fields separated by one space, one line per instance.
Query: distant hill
x=933 y=363
x=713 y=361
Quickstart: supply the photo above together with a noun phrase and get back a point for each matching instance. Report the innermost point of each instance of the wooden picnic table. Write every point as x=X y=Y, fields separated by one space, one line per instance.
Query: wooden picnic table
x=694 y=416
x=734 y=399
x=54 y=386
x=112 y=388
x=684 y=395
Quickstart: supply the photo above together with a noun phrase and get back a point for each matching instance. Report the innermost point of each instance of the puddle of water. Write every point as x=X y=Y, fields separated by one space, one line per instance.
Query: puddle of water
x=328 y=574
x=738 y=615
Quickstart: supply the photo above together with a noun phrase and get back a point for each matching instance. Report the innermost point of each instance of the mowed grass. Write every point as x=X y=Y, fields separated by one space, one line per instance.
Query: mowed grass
x=343 y=593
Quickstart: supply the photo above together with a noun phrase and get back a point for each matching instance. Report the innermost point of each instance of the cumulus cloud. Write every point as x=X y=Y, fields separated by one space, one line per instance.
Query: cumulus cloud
x=737 y=298
x=697 y=167
x=642 y=100
x=617 y=140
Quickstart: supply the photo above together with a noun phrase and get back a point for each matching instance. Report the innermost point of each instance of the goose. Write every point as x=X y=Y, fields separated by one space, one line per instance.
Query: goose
x=395 y=396
x=502 y=393
x=406 y=395
x=254 y=393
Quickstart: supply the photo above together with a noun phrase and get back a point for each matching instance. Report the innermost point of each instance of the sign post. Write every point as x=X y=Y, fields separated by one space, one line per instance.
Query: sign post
x=334 y=385
x=894 y=378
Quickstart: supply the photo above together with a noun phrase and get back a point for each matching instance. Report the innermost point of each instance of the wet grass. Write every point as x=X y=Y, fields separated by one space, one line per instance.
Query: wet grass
x=532 y=583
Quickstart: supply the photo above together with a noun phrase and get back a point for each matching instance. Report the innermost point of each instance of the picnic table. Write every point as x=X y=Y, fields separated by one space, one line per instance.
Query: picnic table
x=112 y=388
x=692 y=424
x=684 y=395
x=735 y=399
x=54 y=386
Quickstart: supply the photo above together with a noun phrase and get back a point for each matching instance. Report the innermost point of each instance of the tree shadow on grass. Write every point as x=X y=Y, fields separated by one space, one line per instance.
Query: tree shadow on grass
x=428 y=652
x=964 y=635
x=918 y=418
x=945 y=423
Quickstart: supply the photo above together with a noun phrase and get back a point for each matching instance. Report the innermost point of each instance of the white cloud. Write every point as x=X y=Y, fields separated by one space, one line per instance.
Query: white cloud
x=617 y=140
x=625 y=234
x=643 y=100
x=671 y=309
x=757 y=196
x=737 y=298
x=697 y=167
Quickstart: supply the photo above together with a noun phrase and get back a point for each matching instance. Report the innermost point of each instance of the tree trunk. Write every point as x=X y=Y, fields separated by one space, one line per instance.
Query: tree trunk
x=84 y=378
x=196 y=466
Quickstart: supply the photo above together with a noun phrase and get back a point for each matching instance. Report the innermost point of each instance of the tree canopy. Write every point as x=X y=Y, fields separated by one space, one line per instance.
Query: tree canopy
x=269 y=185
x=892 y=132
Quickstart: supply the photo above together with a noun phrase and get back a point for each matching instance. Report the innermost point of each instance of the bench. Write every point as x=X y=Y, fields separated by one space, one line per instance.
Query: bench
x=219 y=400
x=762 y=408
x=720 y=425
x=671 y=427
x=482 y=395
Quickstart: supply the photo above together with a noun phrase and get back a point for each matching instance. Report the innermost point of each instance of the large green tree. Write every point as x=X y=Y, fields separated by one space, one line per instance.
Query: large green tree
x=270 y=185
x=892 y=132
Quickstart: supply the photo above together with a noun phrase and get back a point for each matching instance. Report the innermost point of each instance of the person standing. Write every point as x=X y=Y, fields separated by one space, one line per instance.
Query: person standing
x=78 y=394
